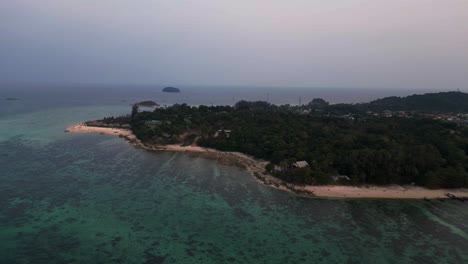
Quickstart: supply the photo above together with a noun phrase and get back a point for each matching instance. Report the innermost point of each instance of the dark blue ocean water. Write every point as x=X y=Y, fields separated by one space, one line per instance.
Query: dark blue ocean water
x=69 y=198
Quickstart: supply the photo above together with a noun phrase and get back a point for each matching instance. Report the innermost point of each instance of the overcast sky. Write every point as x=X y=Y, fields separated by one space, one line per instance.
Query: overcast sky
x=303 y=43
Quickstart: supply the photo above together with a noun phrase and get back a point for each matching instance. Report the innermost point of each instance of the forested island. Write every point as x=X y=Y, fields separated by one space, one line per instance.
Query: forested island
x=171 y=90
x=320 y=143
x=147 y=104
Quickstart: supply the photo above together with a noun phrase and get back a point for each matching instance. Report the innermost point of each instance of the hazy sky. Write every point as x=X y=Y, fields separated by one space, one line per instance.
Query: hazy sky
x=309 y=43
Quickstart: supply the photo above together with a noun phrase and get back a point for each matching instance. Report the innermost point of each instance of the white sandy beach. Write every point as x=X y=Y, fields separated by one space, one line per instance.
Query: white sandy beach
x=389 y=192
x=182 y=148
x=83 y=128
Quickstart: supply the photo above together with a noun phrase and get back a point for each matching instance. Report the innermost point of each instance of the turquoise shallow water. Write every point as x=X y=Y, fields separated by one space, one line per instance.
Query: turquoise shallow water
x=67 y=198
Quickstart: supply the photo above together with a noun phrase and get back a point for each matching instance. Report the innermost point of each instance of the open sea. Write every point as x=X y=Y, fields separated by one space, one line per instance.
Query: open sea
x=90 y=198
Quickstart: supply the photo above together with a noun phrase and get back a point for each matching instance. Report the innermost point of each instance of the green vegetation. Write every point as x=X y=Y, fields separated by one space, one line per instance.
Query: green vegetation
x=367 y=149
x=431 y=102
x=147 y=104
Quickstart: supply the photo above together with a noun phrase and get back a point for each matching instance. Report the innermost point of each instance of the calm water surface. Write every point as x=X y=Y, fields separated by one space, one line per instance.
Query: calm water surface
x=67 y=198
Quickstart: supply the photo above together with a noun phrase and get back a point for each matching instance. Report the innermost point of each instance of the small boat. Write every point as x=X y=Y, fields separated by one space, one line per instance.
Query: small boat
x=453 y=196
x=450 y=195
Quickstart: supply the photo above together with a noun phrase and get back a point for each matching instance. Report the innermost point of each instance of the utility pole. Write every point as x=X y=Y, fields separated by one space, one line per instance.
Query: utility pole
x=268 y=97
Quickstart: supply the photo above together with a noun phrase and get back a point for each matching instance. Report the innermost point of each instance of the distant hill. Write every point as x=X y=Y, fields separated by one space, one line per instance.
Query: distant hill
x=430 y=102
x=171 y=90
x=147 y=104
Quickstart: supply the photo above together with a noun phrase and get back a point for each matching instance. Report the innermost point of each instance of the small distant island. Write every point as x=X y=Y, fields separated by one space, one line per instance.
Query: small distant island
x=171 y=90
x=147 y=104
x=11 y=99
x=418 y=142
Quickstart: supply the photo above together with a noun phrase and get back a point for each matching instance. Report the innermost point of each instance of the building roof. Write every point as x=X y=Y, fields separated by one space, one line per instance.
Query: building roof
x=153 y=122
x=301 y=164
x=341 y=177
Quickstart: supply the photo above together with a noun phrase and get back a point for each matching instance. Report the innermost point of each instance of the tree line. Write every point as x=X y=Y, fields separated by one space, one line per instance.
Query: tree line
x=372 y=150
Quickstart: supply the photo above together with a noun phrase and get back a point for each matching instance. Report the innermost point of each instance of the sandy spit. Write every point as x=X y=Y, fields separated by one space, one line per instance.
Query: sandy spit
x=83 y=128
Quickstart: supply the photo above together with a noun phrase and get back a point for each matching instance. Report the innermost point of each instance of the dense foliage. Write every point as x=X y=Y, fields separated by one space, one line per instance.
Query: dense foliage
x=371 y=150
x=147 y=104
x=431 y=102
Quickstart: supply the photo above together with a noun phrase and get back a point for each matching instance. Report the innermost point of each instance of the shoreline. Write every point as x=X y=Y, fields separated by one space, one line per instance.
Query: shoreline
x=257 y=169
